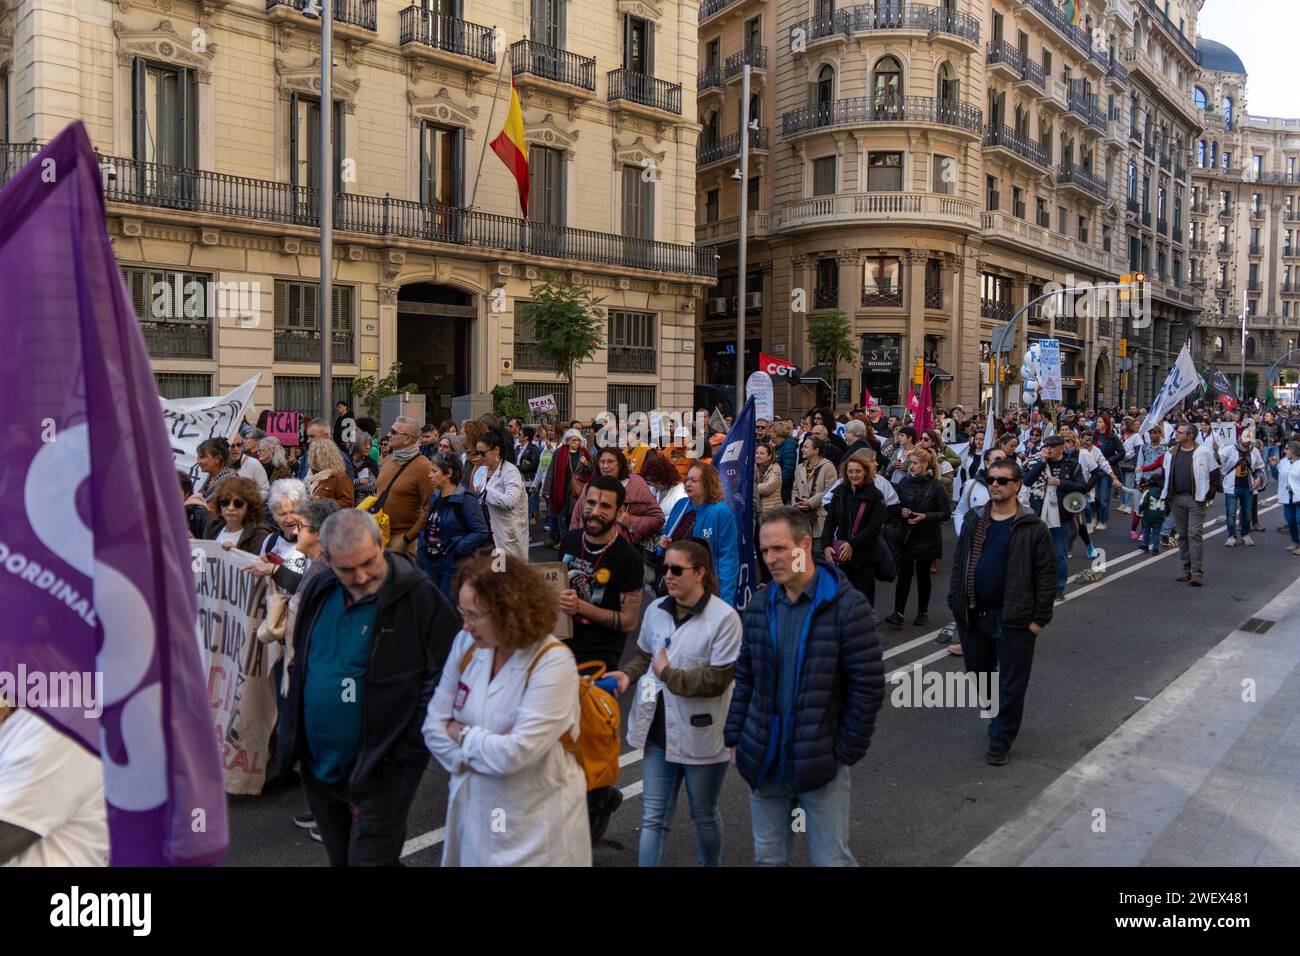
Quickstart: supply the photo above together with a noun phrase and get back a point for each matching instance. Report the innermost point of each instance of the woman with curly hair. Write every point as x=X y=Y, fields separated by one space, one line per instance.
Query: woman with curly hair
x=327 y=476
x=505 y=749
x=238 y=515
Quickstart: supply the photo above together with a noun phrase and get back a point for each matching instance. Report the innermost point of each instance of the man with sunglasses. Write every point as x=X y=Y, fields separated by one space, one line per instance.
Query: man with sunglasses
x=404 y=485
x=1001 y=595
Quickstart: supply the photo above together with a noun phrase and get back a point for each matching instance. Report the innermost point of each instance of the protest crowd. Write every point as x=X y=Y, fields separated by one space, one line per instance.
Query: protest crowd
x=737 y=628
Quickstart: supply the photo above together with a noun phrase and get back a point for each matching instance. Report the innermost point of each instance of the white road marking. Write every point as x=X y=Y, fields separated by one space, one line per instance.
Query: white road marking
x=634 y=789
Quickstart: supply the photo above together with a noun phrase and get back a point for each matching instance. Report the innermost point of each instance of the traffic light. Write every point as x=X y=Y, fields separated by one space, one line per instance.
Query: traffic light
x=1123 y=381
x=1125 y=289
x=918 y=371
x=1123 y=348
x=1139 y=286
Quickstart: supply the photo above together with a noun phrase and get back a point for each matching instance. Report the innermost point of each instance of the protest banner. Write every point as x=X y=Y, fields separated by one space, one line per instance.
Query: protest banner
x=542 y=405
x=286 y=426
x=759 y=387
x=231 y=604
x=192 y=421
x=556 y=574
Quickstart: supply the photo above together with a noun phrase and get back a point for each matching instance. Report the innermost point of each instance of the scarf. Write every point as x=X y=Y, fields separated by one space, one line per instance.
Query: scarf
x=976 y=549
x=314 y=478
x=405 y=454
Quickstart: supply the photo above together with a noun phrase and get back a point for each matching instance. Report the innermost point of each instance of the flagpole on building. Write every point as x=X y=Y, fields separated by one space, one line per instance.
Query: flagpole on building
x=496 y=94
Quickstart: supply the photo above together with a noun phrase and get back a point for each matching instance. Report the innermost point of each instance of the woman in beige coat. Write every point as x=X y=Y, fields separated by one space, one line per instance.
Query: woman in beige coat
x=812 y=479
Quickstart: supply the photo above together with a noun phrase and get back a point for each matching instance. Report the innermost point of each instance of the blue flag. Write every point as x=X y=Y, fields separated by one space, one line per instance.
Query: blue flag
x=735 y=464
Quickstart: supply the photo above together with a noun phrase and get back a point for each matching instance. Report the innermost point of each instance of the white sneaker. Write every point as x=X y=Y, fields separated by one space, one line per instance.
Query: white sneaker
x=1248 y=541
x=1230 y=543
x=1293 y=549
x=1101 y=526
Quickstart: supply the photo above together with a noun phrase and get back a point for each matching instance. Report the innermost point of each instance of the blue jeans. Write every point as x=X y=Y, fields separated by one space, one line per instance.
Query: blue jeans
x=1292 y=515
x=557 y=527
x=825 y=817
x=1151 y=535
x=1232 y=501
x=663 y=781
x=532 y=504
x=1104 y=487
x=1061 y=539
x=441 y=579
x=1269 y=452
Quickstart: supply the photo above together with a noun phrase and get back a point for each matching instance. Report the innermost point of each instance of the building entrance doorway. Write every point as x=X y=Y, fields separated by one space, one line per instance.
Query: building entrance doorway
x=434 y=328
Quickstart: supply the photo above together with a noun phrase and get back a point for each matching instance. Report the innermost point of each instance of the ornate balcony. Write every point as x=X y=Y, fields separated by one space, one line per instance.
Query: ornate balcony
x=723 y=231
x=303 y=345
x=728 y=147
x=1082 y=181
x=1051 y=15
x=187 y=193
x=642 y=92
x=708 y=80
x=553 y=69
x=353 y=19
x=1004 y=60
x=755 y=56
x=913 y=207
x=866 y=111
x=1005 y=140
x=447 y=40
x=945 y=25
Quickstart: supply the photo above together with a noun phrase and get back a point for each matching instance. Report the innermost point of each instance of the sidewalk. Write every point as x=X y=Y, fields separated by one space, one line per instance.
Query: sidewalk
x=1197 y=777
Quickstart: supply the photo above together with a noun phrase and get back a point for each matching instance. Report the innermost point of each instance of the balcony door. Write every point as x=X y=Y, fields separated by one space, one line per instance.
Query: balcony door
x=546 y=23
x=304 y=153
x=165 y=140
x=546 y=201
x=638 y=46
x=638 y=215
x=442 y=165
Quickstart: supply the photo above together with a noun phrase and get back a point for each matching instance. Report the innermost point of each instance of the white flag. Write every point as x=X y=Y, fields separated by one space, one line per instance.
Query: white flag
x=191 y=421
x=1182 y=381
x=988 y=430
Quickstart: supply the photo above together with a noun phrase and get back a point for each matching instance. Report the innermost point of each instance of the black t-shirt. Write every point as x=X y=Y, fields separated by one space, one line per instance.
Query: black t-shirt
x=1183 y=481
x=604 y=576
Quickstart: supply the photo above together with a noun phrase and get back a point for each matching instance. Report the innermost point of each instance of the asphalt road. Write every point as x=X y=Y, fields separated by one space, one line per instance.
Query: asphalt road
x=923 y=795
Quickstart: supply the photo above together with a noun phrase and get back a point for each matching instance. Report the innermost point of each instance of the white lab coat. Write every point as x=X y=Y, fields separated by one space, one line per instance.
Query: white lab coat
x=507 y=504
x=711 y=638
x=1288 y=481
x=254 y=471
x=517 y=797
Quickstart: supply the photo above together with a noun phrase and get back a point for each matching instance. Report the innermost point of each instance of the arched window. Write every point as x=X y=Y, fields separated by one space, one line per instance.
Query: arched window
x=888 y=86
x=1214 y=155
x=947 y=85
x=1250 y=347
x=1200 y=154
x=1201 y=99
x=826 y=86
x=755 y=107
x=1227 y=112
x=1218 y=345
x=1022 y=121
x=710 y=132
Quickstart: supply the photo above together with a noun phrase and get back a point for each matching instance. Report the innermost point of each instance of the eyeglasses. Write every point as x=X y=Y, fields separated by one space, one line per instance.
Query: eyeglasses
x=231 y=502
x=676 y=569
x=1001 y=481
x=468 y=615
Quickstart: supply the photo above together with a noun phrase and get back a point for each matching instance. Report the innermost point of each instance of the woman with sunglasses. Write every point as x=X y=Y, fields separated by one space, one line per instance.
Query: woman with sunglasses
x=238 y=515
x=684 y=667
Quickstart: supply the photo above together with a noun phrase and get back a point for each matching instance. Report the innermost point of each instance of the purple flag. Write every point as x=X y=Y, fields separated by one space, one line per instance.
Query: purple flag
x=735 y=466
x=95 y=572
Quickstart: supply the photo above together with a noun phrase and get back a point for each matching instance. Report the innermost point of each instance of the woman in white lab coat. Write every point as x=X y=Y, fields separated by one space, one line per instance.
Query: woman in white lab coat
x=508 y=694
x=505 y=497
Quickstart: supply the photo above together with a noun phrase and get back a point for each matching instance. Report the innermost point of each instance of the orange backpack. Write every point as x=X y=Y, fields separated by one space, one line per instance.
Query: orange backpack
x=597 y=745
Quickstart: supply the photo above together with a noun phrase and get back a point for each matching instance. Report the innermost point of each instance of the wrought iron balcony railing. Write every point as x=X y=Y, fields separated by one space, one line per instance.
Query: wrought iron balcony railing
x=449 y=34
x=303 y=345
x=624 y=84
x=1023 y=146
x=1070 y=174
x=863 y=110
x=727 y=147
x=755 y=56
x=358 y=13
x=550 y=63
x=709 y=78
x=202 y=192
x=637 y=361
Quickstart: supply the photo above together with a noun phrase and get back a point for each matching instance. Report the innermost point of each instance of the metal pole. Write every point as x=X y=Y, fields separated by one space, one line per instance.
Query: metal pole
x=325 y=299
x=742 y=249
x=1245 y=306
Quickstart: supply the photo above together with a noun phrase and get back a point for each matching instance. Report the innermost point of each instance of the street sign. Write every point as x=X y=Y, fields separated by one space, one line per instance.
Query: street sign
x=1124 y=363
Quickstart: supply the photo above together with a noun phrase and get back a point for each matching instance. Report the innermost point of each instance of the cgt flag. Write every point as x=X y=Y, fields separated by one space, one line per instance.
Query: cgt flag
x=92 y=536
x=735 y=464
x=511 y=146
x=1224 y=388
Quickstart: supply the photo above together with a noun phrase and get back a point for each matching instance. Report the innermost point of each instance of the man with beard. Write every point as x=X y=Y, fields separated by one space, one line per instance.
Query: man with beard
x=603 y=598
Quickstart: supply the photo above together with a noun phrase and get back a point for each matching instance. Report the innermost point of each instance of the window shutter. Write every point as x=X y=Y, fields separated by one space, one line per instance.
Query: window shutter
x=627 y=41
x=185 y=121
x=423 y=147
x=458 y=174
x=138 y=145
x=293 y=140
x=281 y=305
x=649 y=48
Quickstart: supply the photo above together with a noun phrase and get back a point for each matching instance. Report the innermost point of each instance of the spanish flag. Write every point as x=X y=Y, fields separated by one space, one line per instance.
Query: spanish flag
x=512 y=148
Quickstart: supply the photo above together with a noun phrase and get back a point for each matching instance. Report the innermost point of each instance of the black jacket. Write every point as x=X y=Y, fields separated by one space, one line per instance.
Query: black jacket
x=843 y=512
x=529 y=458
x=1031 y=571
x=841 y=685
x=1071 y=475
x=414 y=629
x=922 y=541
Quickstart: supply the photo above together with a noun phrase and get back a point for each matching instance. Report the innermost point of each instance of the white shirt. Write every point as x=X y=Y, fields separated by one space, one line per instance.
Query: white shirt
x=231 y=536
x=51 y=786
x=288 y=552
x=251 y=468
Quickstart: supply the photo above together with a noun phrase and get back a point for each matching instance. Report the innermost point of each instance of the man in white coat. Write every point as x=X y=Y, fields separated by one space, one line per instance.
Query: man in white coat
x=1187 y=468
x=506 y=498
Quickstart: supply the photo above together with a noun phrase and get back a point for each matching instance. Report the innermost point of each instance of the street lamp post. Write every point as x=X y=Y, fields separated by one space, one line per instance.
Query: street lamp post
x=324 y=298
x=742 y=248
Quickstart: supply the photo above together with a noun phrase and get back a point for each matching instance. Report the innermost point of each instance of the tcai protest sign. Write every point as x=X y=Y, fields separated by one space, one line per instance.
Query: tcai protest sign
x=1050 y=361
x=192 y=421
x=759 y=388
x=286 y=426
x=232 y=603
x=542 y=405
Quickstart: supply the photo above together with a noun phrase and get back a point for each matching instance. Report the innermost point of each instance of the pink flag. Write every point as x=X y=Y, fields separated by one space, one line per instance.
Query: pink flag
x=925 y=406
x=913 y=403
x=867 y=399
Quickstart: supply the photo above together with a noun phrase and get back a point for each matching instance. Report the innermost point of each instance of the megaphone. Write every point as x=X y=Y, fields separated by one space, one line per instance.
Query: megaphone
x=1074 y=502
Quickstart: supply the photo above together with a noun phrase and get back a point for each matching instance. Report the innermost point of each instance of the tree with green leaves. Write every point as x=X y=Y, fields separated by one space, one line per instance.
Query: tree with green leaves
x=830 y=336
x=568 y=324
x=507 y=404
x=371 y=390
x=1250 y=385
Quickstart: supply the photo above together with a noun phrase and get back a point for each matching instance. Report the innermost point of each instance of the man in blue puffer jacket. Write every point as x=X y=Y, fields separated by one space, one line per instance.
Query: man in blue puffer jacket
x=809 y=682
